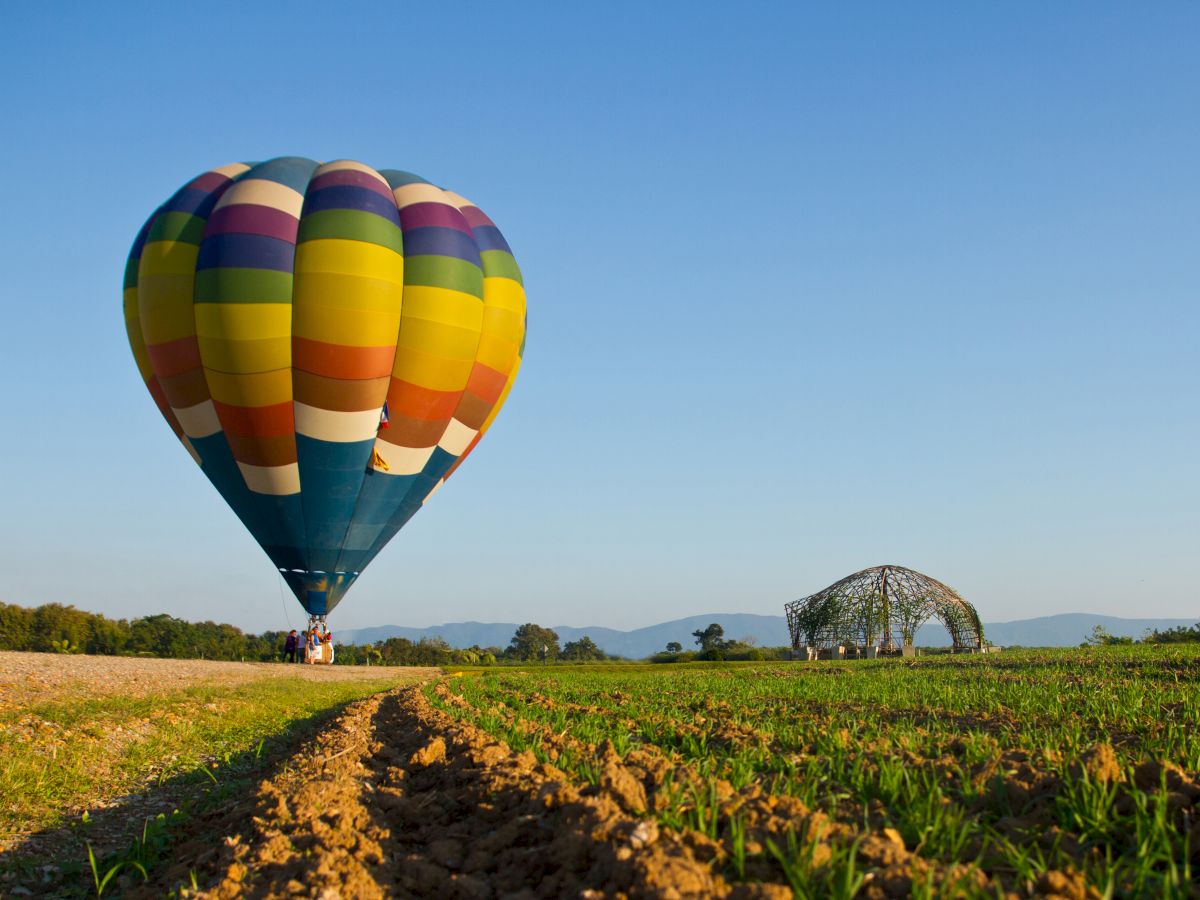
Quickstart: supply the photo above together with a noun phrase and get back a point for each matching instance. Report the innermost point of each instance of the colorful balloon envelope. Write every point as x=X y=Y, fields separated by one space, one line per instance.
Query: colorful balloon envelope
x=329 y=342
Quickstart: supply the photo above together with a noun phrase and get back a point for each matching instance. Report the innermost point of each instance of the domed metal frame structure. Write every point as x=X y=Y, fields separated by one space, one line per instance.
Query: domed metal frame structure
x=874 y=607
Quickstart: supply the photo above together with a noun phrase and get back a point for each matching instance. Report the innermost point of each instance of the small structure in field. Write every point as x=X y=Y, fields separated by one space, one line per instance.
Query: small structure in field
x=876 y=612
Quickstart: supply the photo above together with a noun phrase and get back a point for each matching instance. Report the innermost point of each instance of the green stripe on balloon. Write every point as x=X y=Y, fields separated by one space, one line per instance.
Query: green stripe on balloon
x=238 y=285
x=499 y=264
x=352 y=225
x=178 y=226
x=444 y=272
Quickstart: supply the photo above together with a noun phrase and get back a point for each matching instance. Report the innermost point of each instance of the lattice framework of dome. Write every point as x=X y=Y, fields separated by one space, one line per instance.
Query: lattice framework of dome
x=874 y=607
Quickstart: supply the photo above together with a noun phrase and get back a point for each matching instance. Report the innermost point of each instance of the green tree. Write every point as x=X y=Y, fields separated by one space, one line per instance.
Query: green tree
x=582 y=650
x=1100 y=637
x=161 y=635
x=674 y=647
x=1180 y=634
x=532 y=641
x=54 y=623
x=711 y=638
x=16 y=627
x=106 y=636
x=397 y=651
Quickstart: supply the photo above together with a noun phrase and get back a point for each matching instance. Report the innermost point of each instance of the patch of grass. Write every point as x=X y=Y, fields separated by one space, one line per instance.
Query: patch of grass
x=979 y=764
x=59 y=758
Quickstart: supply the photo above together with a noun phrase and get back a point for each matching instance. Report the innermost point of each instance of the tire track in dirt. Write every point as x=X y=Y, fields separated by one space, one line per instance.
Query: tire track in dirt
x=399 y=799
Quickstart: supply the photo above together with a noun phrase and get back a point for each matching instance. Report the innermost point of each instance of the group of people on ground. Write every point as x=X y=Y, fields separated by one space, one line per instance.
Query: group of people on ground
x=315 y=646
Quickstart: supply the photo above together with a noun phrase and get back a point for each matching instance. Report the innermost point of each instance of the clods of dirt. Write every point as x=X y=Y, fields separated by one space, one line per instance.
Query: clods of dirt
x=398 y=799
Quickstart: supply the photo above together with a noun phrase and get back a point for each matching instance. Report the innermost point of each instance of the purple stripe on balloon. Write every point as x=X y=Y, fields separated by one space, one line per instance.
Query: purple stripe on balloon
x=196 y=203
x=441 y=242
x=246 y=251
x=250 y=218
x=209 y=181
x=474 y=215
x=488 y=237
x=429 y=215
x=350 y=177
x=346 y=196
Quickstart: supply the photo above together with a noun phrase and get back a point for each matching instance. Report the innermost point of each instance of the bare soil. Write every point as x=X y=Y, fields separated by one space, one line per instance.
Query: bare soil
x=398 y=799
x=27 y=679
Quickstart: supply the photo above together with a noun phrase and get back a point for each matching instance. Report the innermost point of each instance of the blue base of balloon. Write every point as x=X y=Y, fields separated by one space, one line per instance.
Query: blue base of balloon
x=318 y=592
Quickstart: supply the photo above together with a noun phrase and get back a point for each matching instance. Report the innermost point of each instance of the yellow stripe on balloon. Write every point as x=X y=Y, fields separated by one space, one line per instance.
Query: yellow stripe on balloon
x=244 y=321
x=349 y=328
x=244 y=337
x=504 y=323
x=504 y=293
x=246 y=357
x=437 y=339
x=165 y=308
x=255 y=389
x=358 y=258
x=349 y=292
x=133 y=327
x=497 y=352
x=433 y=372
x=436 y=304
x=167 y=258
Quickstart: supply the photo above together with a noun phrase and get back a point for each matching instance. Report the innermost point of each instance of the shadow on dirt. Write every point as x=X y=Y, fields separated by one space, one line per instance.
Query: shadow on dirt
x=135 y=835
x=397 y=800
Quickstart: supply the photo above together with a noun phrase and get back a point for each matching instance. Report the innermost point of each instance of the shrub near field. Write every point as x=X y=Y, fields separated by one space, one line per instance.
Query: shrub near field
x=1072 y=772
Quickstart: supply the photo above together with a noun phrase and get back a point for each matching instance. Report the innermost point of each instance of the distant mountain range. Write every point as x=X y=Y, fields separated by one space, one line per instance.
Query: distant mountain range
x=1065 y=630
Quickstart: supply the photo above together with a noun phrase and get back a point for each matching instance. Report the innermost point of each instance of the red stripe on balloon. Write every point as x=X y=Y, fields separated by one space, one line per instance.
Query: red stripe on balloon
x=174 y=357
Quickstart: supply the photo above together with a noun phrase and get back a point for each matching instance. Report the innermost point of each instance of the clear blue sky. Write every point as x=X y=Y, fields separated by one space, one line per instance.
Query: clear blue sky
x=811 y=288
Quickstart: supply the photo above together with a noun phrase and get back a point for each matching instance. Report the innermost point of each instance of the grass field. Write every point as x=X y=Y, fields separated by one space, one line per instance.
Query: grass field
x=1067 y=773
x=1033 y=771
x=153 y=754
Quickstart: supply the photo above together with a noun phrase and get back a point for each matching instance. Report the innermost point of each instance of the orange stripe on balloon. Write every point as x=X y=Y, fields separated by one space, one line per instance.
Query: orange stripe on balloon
x=486 y=383
x=337 y=361
x=275 y=420
x=414 y=401
x=256 y=450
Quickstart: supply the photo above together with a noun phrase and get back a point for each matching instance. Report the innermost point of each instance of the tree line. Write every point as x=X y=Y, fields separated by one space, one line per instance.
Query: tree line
x=1180 y=634
x=58 y=628
x=713 y=645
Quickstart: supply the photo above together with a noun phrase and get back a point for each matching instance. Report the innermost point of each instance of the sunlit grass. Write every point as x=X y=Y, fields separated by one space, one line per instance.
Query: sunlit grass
x=57 y=759
x=945 y=750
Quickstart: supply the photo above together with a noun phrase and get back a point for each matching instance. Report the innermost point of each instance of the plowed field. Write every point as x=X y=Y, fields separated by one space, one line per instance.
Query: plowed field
x=1069 y=774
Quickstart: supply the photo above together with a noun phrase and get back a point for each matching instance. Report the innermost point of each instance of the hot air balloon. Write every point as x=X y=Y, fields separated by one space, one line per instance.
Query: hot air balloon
x=328 y=342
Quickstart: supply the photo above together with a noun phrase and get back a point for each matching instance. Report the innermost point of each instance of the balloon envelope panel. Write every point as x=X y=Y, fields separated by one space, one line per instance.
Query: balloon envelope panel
x=329 y=342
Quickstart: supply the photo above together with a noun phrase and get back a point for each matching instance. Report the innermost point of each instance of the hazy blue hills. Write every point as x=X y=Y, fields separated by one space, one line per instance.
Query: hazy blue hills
x=1065 y=630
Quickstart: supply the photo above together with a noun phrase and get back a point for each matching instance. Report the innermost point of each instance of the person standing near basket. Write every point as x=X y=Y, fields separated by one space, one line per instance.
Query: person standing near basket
x=289 y=646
